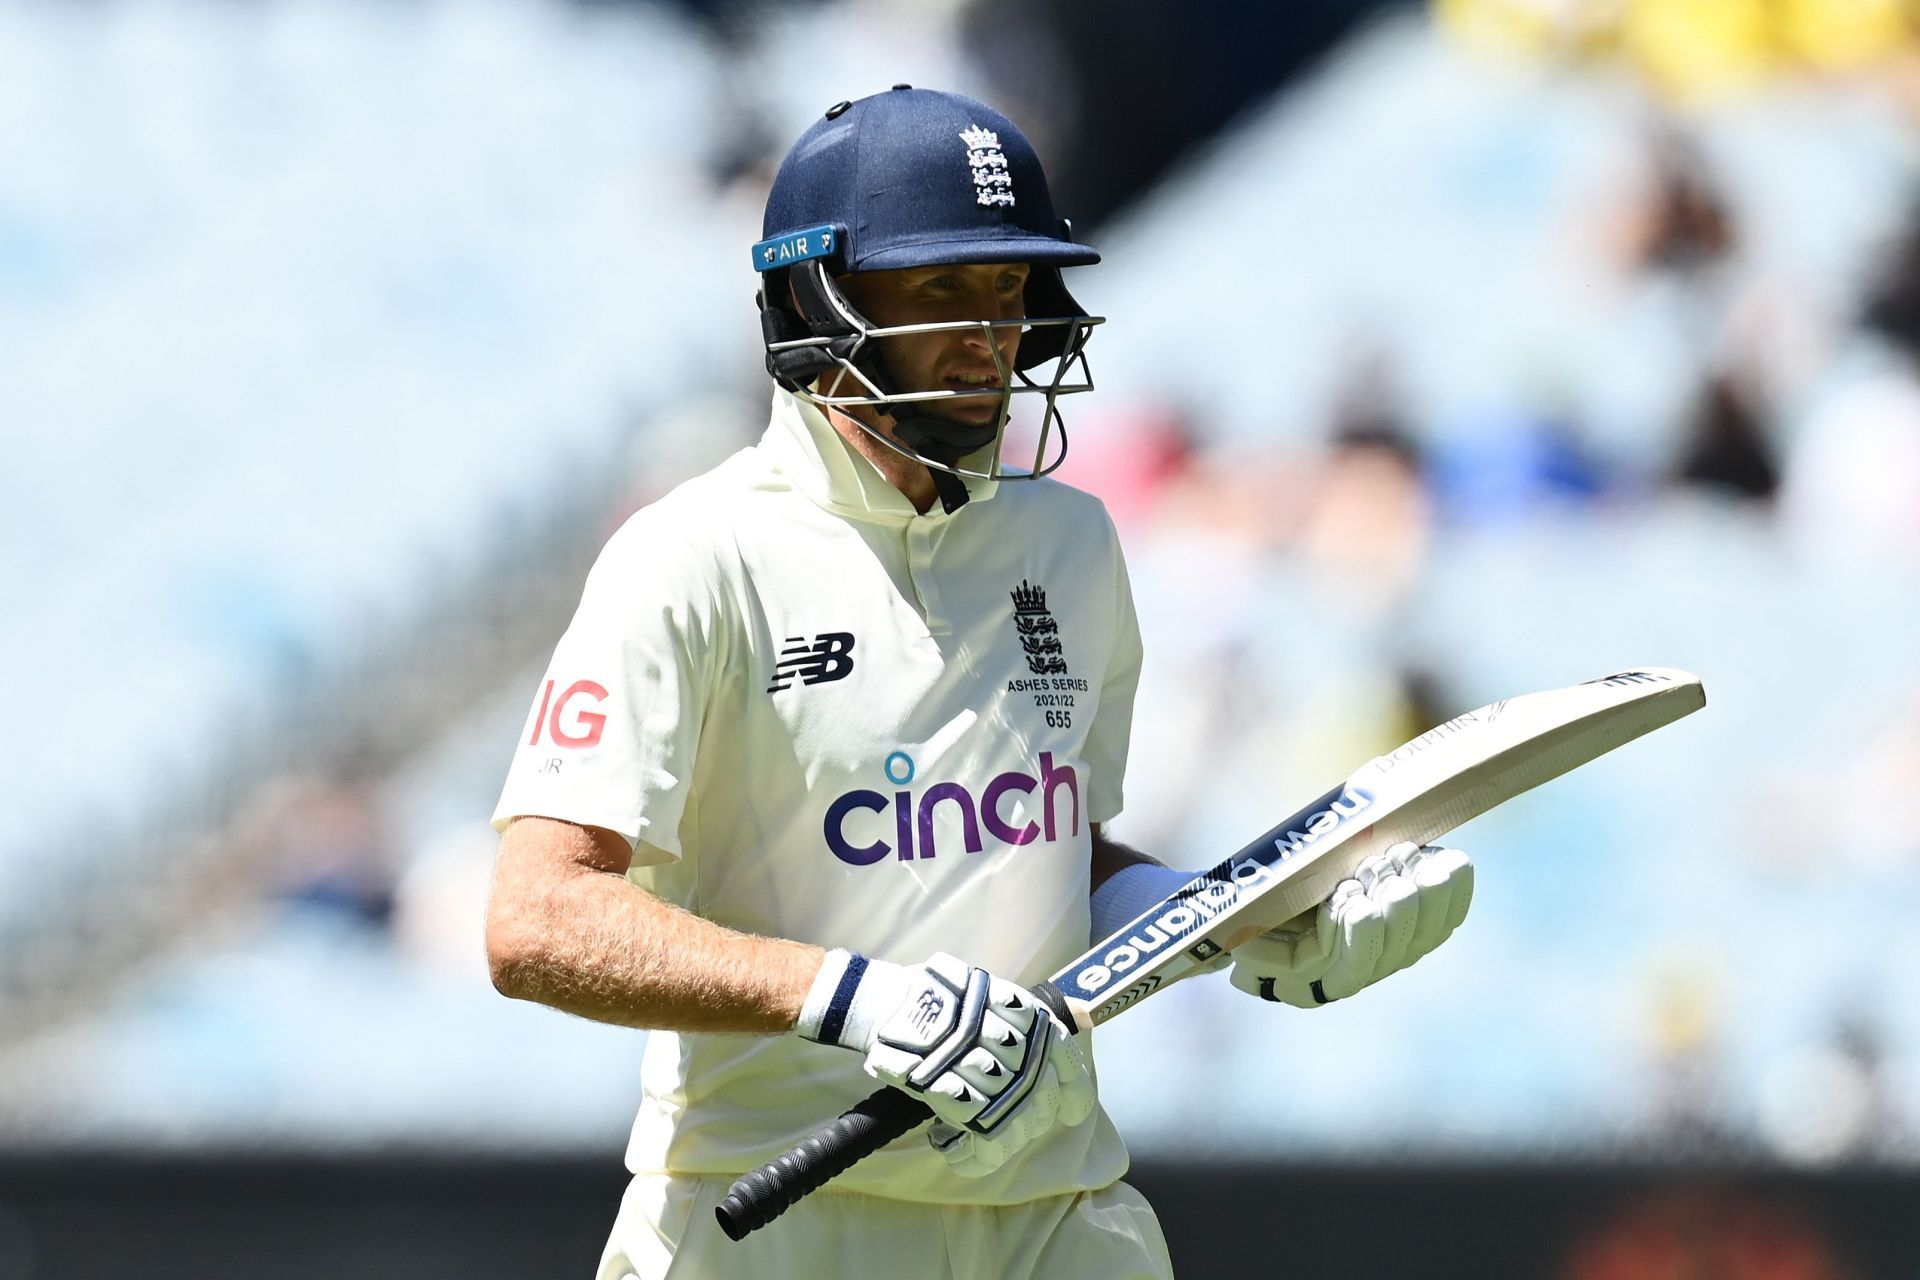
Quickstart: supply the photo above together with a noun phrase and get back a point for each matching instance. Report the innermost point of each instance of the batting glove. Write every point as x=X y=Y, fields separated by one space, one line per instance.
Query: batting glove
x=996 y=1066
x=1397 y=907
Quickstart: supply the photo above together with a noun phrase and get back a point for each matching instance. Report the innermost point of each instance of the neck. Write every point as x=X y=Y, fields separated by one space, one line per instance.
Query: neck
x=911 y=478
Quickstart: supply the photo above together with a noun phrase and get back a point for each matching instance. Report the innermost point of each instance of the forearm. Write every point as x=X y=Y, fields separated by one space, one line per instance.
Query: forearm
x=588 y=941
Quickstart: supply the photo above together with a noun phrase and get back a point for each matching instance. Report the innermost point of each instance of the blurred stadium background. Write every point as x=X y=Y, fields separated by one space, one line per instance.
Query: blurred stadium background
x=1455 y=351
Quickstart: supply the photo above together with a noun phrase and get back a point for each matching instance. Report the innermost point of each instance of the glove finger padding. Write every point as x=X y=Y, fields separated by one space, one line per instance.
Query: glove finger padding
x=1363 y=940
x=1398 y=901
x=1396 y=908
x=1445 y=877
x=1064 y=1096
x=967 y=1153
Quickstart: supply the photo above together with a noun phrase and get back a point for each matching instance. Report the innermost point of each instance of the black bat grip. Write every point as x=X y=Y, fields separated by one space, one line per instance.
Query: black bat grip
x=759 y=1197
x=826 y=1153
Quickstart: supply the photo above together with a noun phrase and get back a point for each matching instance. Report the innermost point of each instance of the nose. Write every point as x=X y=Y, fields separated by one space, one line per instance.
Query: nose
x=974 y=341
x=1007 y=338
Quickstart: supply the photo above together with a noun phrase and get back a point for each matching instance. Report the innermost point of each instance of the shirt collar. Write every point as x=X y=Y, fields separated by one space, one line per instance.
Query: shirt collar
x=804 y=448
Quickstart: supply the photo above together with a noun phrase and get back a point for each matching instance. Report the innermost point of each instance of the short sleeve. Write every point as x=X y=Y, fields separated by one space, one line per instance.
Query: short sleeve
x=614 y=728
x=1107 y=738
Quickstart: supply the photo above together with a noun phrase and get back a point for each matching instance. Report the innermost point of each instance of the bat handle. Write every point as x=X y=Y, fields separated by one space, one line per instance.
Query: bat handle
x=836 y=1146
x=759 y=1197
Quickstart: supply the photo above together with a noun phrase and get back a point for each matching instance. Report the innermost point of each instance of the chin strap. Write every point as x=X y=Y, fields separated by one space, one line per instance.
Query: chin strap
x=944 y=441
x=951 y=488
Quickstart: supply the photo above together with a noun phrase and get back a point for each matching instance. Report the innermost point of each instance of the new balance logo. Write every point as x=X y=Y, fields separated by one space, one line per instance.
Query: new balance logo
x=927 y=1013
x=826 y=657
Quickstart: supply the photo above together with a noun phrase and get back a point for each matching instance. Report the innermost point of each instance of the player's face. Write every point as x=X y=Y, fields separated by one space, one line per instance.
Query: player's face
x=950 y=360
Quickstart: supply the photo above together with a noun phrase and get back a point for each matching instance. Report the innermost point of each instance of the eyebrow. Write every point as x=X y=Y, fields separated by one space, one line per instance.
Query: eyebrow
x=934 y=271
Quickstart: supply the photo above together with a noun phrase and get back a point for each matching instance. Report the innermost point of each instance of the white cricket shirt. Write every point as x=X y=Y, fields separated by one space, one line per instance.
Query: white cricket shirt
x=823 y=716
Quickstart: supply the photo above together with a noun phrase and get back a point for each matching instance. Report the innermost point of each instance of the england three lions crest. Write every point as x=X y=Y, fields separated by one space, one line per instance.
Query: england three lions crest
x=992 y=182
x=1039 y=633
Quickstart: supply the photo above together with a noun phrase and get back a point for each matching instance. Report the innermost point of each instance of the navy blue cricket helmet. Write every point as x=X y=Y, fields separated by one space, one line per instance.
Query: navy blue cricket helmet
x=914 y=178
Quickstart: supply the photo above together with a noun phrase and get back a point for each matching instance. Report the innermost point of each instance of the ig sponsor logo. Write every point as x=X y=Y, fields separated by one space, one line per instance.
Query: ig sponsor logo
x=560 y=720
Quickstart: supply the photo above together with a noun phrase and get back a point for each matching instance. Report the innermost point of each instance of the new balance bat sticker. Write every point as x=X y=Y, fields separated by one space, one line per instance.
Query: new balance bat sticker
x=1419 y=791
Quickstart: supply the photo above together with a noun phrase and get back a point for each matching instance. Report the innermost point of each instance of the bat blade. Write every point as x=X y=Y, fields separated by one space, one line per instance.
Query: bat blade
x=1419 y=791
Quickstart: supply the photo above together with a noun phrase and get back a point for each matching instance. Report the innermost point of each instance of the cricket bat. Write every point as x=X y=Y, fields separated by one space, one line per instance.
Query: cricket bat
x=1419 y=791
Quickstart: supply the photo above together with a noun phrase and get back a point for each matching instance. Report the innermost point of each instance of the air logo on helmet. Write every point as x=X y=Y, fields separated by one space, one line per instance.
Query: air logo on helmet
x=798 y=246
x=992 y=184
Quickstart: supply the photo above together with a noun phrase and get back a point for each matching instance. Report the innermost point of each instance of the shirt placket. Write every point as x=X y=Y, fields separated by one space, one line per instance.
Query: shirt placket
x=923 y=535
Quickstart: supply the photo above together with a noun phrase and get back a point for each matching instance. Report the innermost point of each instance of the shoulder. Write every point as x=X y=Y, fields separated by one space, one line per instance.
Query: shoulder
x=1069 y=522
x=682 y=543
x=698 y=515
x=1062 y=509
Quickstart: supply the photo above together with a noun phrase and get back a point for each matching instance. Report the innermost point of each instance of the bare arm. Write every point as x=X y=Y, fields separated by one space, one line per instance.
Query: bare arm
x=566 y=928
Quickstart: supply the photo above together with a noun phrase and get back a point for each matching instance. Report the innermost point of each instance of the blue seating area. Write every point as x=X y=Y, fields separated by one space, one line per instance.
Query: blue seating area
x=274 y=357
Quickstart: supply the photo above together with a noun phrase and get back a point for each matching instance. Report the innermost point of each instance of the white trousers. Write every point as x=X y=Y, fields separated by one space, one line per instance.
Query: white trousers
x=666 y=1228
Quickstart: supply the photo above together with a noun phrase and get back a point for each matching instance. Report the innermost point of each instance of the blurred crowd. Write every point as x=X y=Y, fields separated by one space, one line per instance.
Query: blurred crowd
x=1699 y=445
